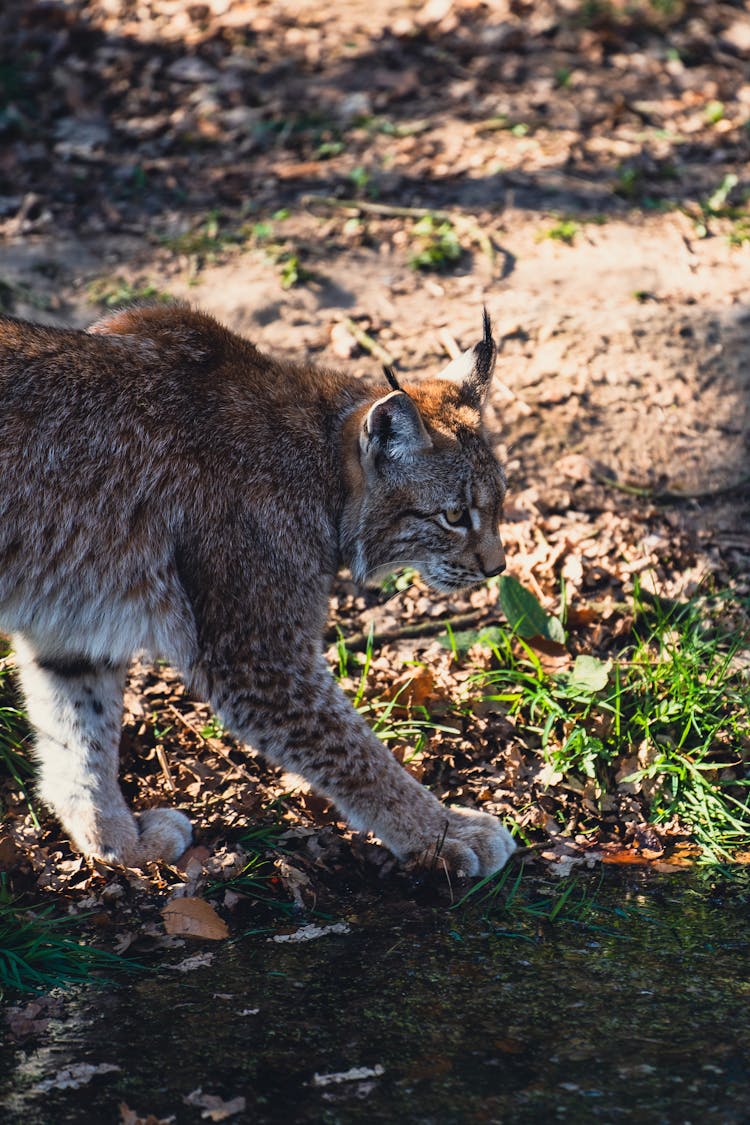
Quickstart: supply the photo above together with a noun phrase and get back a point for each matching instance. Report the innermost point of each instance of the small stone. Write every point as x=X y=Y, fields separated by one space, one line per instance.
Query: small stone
x=353 y=106
x=737 y=37
x=190 y=68
x=343 y=343
x=81 y=139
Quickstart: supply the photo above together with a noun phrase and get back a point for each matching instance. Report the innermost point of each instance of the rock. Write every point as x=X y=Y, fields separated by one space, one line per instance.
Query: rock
x=190 y=68
x=241 y=118
x=343 y=343
x=82 y=140
x=352 y=106
x=736 y=37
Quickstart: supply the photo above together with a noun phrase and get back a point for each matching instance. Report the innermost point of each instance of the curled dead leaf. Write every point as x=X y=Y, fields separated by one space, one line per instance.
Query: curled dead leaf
x=194 y=917
x=413 y=689
x=129 y=1116
x=213 y=1107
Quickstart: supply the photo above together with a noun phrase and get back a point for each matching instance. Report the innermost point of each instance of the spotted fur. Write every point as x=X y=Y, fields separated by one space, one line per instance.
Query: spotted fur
x=165 y=487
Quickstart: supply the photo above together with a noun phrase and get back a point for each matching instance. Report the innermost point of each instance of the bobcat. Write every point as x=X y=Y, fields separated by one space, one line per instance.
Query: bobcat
x=166 y=487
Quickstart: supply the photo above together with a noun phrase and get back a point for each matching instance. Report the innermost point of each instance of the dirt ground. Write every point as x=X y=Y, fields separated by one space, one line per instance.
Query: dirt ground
x=271 y=162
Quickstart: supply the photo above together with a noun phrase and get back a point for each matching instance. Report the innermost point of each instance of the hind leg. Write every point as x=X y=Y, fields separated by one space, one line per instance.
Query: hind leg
x=75 y=708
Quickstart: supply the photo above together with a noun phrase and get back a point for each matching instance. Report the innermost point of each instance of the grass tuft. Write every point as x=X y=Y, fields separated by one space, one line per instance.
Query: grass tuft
x=14 y=760
x=39 y=951
x=673 y=705
x=521 y=906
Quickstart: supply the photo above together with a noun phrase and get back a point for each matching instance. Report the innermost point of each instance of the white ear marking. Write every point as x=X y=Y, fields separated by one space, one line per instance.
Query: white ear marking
x=393 y=427
x=472 y=370
x=460 y=368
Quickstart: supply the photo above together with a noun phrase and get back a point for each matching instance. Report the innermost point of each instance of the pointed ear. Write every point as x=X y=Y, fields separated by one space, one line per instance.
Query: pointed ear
x=472 y=370
x=394 y=428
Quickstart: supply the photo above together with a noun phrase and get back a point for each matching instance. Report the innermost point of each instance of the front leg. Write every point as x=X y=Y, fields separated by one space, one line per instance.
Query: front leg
x=301 y=720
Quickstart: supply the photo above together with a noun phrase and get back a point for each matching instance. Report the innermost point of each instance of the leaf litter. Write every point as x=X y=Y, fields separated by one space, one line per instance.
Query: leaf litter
x=604 y=400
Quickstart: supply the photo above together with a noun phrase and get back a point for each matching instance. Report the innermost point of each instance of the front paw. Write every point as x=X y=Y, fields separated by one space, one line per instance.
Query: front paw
x=164 y=835
x=472 y=844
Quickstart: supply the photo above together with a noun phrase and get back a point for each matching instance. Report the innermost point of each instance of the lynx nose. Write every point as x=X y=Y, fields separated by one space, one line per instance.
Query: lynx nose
x=493 y=573
x=493 y=561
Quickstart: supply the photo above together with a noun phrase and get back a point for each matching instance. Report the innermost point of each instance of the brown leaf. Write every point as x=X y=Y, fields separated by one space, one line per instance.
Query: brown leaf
x=32 y=1018
x=580 y=615
x=625 y=855
x=129 y=1116
x=412 y=689
x=194 y=917
x=199 y=853
x=215 y=1108
x=509 y=1046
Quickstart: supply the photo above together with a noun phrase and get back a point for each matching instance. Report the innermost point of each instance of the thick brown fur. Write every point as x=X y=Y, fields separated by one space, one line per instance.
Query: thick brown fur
x=165 y=487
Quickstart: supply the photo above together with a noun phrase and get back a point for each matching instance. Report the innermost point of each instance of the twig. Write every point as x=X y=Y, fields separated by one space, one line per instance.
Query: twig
x=360 y=641
x=163 y=760
x=372 y=207
x=212 y=743
x=366 y=341
x=394 y=211
x=667 y=495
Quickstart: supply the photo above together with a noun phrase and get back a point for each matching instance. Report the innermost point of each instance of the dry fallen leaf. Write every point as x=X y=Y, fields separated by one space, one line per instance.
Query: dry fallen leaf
x=296 y=882
x=194 y=917
x=410 y=690
x=214 y=1108
x=625 y=856
x=574 y=467
x=32 y=1018
x=129 y=1116
x=190 y=964
x=74 y=1076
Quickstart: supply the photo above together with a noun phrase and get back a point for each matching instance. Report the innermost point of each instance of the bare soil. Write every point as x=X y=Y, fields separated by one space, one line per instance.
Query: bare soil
x=593 y=161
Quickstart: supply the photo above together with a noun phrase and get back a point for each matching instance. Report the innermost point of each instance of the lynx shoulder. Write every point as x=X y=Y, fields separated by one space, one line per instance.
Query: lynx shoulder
x=168 y=488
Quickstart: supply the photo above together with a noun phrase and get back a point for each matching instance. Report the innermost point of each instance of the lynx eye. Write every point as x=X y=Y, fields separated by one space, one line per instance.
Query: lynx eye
x=457 y=517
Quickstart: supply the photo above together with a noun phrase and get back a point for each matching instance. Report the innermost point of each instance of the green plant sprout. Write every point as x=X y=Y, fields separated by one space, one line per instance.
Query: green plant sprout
x=114 y=291
x=437 y=246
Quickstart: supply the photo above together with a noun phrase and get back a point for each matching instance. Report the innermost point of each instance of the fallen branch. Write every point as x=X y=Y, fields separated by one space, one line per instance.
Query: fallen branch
x=394 y=211
x=360 y=641
x=667 y=495
x=368 y=343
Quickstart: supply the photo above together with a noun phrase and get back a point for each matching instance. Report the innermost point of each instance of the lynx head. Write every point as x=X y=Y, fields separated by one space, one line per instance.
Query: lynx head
x=428 y=491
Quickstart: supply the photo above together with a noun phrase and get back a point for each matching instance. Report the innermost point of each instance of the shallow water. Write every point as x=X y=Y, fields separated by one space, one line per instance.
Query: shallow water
x=638 y=1011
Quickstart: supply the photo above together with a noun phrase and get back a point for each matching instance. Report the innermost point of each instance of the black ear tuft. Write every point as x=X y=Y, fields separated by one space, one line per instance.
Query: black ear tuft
x=484 y=360
x=472 y=370
x=390 y=375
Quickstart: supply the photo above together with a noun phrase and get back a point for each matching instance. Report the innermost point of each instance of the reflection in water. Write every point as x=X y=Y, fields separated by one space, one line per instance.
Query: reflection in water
x=639 y=1012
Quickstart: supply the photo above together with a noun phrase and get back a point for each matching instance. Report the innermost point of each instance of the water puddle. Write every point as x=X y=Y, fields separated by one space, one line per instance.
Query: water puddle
x=637 y=1011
